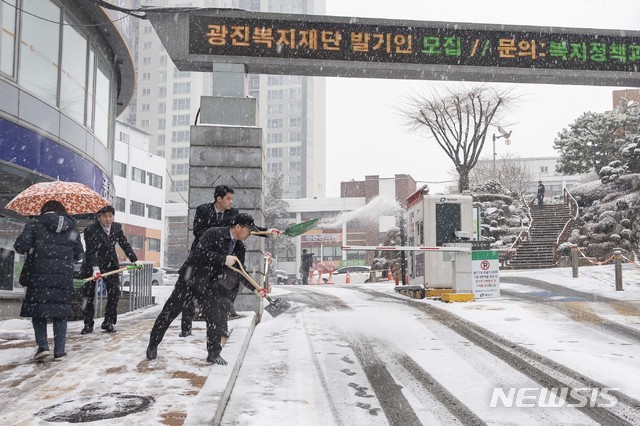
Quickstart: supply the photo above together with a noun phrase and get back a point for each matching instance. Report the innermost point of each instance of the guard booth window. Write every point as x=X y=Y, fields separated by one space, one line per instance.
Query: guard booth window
x=447 y=222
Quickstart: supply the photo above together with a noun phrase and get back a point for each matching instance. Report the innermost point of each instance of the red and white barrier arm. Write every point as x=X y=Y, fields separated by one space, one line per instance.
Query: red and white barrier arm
x=408 y=248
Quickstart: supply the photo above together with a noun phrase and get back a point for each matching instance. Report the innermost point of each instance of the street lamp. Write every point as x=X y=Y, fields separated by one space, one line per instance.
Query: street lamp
x=503 y=134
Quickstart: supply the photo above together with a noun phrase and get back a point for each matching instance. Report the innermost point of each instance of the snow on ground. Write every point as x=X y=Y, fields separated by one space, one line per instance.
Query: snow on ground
x=100 y=364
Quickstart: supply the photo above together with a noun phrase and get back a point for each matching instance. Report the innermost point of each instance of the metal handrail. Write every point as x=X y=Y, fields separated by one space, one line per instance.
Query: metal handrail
x=573 y=204
x=526 y=231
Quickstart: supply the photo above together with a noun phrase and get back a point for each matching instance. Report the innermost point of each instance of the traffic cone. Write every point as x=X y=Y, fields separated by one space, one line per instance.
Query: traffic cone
x=348 y=279
x=389 y=276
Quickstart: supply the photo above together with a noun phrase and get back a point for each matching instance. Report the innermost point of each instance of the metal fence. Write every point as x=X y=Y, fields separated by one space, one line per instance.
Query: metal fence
x=138 y=292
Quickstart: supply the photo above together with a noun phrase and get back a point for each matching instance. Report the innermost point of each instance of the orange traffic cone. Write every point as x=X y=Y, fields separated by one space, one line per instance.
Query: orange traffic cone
x=389 y=276
x=348 y=279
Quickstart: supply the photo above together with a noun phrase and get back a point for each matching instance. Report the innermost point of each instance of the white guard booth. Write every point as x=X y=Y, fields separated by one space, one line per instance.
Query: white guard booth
x=436 y=221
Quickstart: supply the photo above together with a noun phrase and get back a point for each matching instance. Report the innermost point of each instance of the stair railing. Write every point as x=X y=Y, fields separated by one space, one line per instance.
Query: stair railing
x=523 y=235
x=568 y=227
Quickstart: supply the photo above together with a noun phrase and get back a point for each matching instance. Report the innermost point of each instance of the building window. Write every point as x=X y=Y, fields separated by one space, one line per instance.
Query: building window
x=144 y=124
x=74 y=72
x=8 y=38
x=180 y=104
x=295 y=137
x=180 y=152
x=145 y=107
x=274 y=137
x=294 y=166
x=146 y=92
x=180 y=169
x=180 y=136
x=180 y=88
x=162 y=92
x=181 y=120
x=181 y=74
x=295 y=151
x=295 y=108
x=136 y=208
x=161 y=140
x=275 y=95
x=155 y=180
x=154 y=212
x=274 y=152
x=153 y=244
x=119 y=204
x=119 y=169
x=39 y=55
x=295 y=122
x=295 y=180
x=146 y=45
x=274 y=167
x=274 y=123
x=275 y=109
x=148 y=29
x=146 y=76
x=163 y=60
x=162 y=108
x=295 y=93
x=138 y=175
x=162 y=124
x=146 y=60
x=136 y=241
x=180 y=185
x=102 y=105
x=274 y=80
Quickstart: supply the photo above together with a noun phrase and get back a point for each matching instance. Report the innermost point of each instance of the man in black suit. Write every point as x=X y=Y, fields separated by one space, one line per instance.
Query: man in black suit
x=100 y=240
x=211 y=215
x=205 y=276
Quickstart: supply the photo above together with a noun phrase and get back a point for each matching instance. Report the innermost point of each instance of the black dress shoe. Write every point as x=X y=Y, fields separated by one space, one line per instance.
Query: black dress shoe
x=226 y=334
x=86 y=330
x=104 y=326
x=152 y=352
x=58 y=357
x=216 y=359
x=109 y=328
x=185 y=333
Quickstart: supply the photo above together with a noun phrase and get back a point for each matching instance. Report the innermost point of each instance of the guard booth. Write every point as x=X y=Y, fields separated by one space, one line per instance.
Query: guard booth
x=437 y=221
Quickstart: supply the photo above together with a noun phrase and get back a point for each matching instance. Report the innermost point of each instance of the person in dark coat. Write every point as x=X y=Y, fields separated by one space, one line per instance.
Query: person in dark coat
x=52 y=244
x=540 y=195
x=205 y=276
x=306 y=261
x=212 y=215
x=100 y=239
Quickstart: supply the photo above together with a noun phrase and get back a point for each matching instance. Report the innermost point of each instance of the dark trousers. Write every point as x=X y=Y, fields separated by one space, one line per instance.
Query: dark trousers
x=59 y=333
x=179 y=298
x=216 y=302
x=112 y=284
x=541 y=202
x=188 y=311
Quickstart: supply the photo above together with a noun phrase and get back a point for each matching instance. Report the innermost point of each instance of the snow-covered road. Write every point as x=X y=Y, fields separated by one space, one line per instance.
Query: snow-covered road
x=362 y=355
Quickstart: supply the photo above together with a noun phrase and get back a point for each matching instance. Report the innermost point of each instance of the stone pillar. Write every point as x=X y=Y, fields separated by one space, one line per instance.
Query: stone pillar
x=226 y=148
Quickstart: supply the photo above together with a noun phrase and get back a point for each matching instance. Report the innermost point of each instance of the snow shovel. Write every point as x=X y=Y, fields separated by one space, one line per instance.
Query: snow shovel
x=293 y=230
x=275 y=307
x=117 y=271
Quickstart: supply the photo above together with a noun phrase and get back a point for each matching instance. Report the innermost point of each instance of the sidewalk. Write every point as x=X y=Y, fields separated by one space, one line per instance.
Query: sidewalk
x=107 y=379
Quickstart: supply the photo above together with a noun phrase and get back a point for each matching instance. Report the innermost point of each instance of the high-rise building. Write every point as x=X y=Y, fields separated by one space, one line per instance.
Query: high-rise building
x=291 y=108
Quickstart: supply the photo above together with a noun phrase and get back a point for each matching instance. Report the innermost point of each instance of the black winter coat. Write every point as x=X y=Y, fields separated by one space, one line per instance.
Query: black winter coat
x=52 y=244
x=205 y=266
x=101 y=248
x=206 y=218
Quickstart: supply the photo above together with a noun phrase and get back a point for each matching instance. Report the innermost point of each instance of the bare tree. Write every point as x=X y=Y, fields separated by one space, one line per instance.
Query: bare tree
x=459 y=123
x=511 y=172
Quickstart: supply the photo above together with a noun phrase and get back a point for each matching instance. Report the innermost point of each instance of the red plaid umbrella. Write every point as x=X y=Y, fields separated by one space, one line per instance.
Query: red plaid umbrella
x=75 y=197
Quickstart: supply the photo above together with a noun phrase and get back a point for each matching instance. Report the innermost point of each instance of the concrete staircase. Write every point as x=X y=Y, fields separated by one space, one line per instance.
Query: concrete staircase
x=537 y=251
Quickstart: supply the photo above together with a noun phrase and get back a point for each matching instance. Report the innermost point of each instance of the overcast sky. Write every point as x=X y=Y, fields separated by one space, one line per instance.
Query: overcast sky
x=361 y=115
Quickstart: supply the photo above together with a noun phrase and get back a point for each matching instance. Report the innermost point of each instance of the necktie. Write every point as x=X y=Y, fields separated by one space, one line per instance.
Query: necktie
x=232 y=245
x=219 y=216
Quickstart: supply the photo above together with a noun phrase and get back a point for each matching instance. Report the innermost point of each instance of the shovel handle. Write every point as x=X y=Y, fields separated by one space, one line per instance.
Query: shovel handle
x=106 y=274
x=242 y=272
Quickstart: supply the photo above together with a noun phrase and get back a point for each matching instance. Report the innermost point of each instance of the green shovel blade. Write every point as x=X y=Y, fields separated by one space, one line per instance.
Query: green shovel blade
x=300 y=228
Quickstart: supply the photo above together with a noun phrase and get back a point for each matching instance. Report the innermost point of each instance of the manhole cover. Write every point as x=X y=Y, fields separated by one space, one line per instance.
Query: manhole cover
x=101 y=407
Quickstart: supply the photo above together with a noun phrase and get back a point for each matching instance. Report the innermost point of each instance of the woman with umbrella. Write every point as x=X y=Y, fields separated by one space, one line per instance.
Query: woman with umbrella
x=52 y=245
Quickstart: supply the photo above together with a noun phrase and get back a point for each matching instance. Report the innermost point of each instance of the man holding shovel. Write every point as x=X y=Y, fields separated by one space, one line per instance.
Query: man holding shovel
x=205 y=275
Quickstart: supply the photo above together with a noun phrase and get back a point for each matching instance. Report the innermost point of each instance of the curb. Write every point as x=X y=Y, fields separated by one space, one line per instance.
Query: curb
x=214 y=395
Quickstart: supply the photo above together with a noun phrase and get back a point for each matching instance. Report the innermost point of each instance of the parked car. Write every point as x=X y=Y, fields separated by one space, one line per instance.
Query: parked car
x=292 y=280
x=357 y=275
x=170 y=276
x=157 y=276
x=281 y=276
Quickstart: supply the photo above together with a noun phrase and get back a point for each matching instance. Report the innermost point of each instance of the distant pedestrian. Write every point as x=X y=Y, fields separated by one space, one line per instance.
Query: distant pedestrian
x=306 y=261
x=540 y=195
x=205 y=276
x=52 y=245
x=100 y=239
